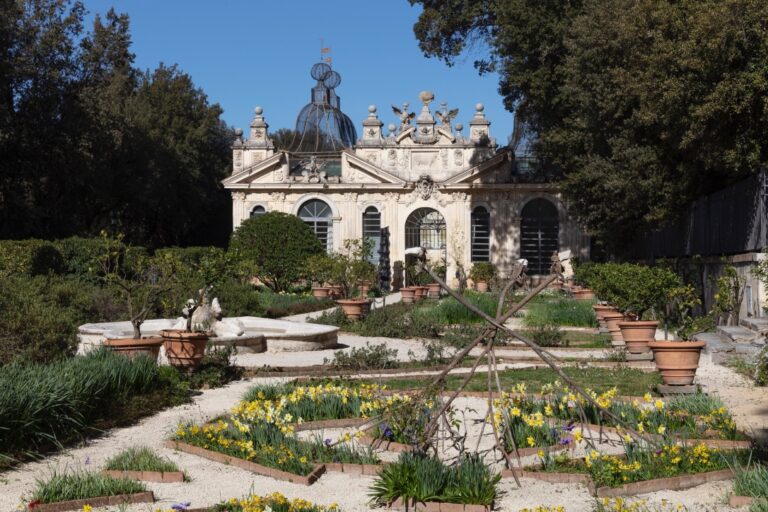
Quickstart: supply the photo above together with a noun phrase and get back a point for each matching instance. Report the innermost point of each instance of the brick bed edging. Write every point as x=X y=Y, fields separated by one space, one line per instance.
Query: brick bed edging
x=436 y=506
x=719 y=444
x=673 y=483
x=100 y=501
x=247 y=465
x=740 y=501
x=353 y=469
x=164 y=477
x=339 y=423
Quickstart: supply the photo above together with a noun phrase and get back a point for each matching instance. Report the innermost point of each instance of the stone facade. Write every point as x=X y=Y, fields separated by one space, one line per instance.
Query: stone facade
x=422 y=162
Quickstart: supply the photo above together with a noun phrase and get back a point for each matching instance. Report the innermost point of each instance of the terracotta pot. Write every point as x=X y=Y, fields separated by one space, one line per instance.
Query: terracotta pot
x=147 y=345
x=184 y=349
x=355 y=309
x=434 y=290
x=408 y=295
x=418 y=293
x=363 y=290
x=637 y=335
x=677 y=361
x=612 y=323
x=481 y=286
x=600 y=311
x=583 y=294
x=321 y=292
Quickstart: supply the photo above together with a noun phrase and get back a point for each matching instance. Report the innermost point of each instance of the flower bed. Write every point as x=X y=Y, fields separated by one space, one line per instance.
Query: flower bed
x=79 y=490
x=275 y=502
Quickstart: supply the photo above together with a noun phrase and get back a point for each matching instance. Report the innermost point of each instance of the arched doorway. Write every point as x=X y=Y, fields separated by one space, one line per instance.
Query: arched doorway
x=317 y=214
x=425 y=227
x=372 y=230
x=539 y=233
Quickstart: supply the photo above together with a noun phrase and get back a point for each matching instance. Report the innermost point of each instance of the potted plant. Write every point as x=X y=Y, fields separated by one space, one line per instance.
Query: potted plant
x=678 y=360
x=433 y=288
x=481 y=273
x=320 y=270
x=352 y=266
x=141 y=283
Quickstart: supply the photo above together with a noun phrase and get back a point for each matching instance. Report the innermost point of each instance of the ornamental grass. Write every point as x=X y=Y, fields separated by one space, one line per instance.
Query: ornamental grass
x=751 y=481
x=80 y=485
x=416 y=477
x=560 y=312
x=140 y=458
x=44 y=405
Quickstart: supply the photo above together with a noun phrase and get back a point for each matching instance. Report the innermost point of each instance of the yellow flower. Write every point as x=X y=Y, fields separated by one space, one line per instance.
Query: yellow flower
x=87 y=508
x=661 y=429
x=540 y=453
x=531 y=441
x=647 y=397
x=659 y=404
x=577 y=436
x=515 y=412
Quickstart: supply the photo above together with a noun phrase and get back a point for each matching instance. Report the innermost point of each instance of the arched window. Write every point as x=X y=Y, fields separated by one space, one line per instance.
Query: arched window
x=258 y=211
x=481 y=234
x=425 y=227
x=372 y=230
x=317 y=214
x=539 y=229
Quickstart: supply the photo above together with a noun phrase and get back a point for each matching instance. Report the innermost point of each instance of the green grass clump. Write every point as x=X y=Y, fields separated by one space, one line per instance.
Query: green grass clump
x=628 y=381
x=562 y=312
x=140 y=458
x=419 y=478
x=45 y=405
x=82 y=485
x=752 y=482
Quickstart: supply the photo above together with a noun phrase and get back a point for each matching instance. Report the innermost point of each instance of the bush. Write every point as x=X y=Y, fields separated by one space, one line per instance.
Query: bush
x=548 y=336
x=370 y=357
x=279 y=245
x=215 y=369
x=238 y=299
x=32 y=257
x=482 y=271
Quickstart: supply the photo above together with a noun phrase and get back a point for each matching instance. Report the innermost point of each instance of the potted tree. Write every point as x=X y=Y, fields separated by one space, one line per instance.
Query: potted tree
x=320 y=270
x=645 y=291
x=481 y=273
x=141 y=283
x=351 y=266
x=678 y=360
x=434 y=288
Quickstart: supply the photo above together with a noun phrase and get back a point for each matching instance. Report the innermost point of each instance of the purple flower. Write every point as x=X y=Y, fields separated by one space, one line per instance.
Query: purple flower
x=328 y=442
x=569 y=427
x=565 y=441
x=658 y=452
x=181 y=506
x=388 y=433
x=88 y=461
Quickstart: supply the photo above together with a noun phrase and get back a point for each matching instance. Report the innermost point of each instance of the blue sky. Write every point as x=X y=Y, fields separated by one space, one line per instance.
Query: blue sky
x=247 y=53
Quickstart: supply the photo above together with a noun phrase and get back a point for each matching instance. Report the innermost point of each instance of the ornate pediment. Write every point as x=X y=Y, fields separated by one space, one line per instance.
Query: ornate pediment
x=494 y=169
x=269 y=170
x=359 y=169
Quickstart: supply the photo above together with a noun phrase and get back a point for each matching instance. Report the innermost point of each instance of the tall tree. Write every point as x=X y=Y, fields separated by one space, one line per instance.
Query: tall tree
x=645 y=105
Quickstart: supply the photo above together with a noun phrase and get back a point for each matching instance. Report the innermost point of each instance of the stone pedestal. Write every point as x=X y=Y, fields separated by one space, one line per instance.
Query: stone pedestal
x=603 y=330
x=645 y=356
x=618 y=344
x=677 y=390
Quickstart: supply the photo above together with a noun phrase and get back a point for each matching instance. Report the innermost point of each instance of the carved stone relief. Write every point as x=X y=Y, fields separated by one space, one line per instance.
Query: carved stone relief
x=238 y=196
x=458 y=157
x=444 y=157
x=424 y=160
x=278 y=196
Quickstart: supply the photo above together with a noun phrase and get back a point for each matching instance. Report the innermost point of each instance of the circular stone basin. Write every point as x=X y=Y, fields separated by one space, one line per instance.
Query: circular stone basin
x=259 y=334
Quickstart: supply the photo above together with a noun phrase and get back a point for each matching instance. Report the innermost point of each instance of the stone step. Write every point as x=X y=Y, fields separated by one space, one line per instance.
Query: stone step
x=714 y=342
x=757 y=324
x=736 y=333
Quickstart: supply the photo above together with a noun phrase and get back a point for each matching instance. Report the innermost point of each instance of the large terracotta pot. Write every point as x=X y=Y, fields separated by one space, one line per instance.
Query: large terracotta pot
x=600 y=311
x=321 y=292
x=408 y=294
x=637 y=335
x=419 y=293
x=677 y=361
x=434 y=290
x=184 y=349
x=482 y=286
x=612 y=323
x=355 y=309
x=148 y=345
x=583 y=294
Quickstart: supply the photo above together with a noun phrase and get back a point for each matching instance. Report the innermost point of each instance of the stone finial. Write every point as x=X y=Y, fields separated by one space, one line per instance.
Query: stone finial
x=391 y=127
x=372 y=109
x=372 y=127
x=479 y=126
x=259 y=135
x=258 y=111
x=426 y=97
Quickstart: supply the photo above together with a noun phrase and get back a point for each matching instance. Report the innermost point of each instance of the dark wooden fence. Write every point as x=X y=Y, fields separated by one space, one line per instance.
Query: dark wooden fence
x=730 y=221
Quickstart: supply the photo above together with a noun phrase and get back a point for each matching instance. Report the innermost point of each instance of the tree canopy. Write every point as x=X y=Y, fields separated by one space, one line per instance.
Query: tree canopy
x=89 y=142
x=643 y=105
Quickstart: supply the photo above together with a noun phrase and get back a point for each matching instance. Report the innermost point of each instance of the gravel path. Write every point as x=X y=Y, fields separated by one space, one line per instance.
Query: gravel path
x=212 y=482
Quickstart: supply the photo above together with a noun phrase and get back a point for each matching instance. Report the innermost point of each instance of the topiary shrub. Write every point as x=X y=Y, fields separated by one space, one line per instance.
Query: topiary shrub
x=278 y=244
x=482 y=271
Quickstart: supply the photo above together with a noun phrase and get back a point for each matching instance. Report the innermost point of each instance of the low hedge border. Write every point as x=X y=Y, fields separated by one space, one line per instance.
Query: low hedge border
x=101 y=501
x=168 y=477
x=248 y=465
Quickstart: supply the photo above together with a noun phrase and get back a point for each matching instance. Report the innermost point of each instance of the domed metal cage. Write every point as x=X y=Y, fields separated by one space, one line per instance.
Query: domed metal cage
x=321 y=126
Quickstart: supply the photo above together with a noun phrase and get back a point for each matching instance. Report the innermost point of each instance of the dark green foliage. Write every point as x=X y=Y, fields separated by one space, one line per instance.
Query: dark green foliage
x=90 y=142
x=482 y=271
x=279 y=245
x=562 y=312
x=239 y=299
x=42 y=406
x=82 y=485
x=419 y=478
x=644 y=106
x=364 y=358
x=277 y=305
x=215 y=369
